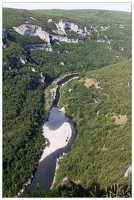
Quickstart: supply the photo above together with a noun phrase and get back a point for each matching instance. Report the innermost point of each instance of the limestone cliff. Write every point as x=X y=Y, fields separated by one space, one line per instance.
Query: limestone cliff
x=63 y=27
x=33 y=30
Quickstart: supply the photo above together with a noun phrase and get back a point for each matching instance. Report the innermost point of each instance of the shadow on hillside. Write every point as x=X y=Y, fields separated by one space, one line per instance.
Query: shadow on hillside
x=11 y=38
x=71 y=189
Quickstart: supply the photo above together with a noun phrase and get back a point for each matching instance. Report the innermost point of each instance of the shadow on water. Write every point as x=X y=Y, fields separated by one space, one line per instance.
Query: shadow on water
x=55 y=119
x=46 y=169
x=57 y=97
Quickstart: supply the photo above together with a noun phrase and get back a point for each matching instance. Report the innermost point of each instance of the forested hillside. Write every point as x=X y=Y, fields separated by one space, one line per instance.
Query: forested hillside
x=100 y=104
x=42 y=45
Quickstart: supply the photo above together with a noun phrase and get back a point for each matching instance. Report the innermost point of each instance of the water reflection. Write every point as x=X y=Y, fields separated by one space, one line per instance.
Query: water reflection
x=56 y=119
x=46 y=168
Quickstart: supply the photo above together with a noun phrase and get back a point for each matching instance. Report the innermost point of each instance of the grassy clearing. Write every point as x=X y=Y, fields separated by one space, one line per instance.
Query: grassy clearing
x=121 y=119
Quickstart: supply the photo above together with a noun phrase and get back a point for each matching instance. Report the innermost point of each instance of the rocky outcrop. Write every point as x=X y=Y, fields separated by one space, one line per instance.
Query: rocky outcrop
x=33 y=18
x=21 y=60
x=41 y=79
x=28 y=30
x=63 y=27
x=18 y=59
x=108 y=41
x=62 y=63
x=128 y=172
x=41 y=47
x=50 y=20
x=4 y=46
x=63 y=39
x=32 y=69
x=32 y=30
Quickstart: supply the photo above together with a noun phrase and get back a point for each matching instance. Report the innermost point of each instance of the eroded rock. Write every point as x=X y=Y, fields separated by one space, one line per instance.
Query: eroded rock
x=63 y=27
x=32 y=30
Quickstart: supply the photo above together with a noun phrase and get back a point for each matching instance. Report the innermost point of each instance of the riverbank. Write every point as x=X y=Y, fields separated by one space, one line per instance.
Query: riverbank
x=50 y=92
x=56 y=139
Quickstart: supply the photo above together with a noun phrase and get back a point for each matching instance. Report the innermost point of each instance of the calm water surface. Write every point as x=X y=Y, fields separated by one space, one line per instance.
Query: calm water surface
x=46 y=168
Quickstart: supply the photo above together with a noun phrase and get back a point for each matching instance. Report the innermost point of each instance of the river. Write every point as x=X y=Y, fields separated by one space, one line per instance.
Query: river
x=45 y=172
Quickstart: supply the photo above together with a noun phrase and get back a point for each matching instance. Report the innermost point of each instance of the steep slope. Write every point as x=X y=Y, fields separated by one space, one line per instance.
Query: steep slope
x=100 y=104
x=38 y=47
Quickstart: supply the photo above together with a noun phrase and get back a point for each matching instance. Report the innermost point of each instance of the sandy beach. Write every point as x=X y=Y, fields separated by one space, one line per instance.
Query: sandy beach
x=57 y=138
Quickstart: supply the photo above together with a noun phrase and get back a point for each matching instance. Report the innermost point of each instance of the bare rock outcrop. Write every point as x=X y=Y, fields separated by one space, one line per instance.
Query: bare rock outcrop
x=63 y=39
x=128 y=172
x=32 y=69
x=42 y=47
x=50 y=20
x=32 y=30
x=41 y=79
x=63 y=27
x=33 y=18
x=21 y=60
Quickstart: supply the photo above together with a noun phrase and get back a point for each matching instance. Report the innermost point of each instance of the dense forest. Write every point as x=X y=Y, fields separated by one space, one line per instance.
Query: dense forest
x=103 y=115
x=97 y=45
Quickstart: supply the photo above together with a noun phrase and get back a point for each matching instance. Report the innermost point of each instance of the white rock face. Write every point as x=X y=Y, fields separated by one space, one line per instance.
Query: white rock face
x=41 y=47
x=24 y=29
x=4 y=46
x=63 y=27
x=32 y=30
x=62 y=63
x=74 y=27
x=33 y=69
x=63 y=39
x=50 y=20
x=21 y=60
x=43 y=34
x=128 y=172
x=33 y=18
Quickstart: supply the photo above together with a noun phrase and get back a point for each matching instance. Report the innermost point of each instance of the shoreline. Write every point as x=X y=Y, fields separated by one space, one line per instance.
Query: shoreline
x=55 y=139
x=58 y=138
x=62 y=140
